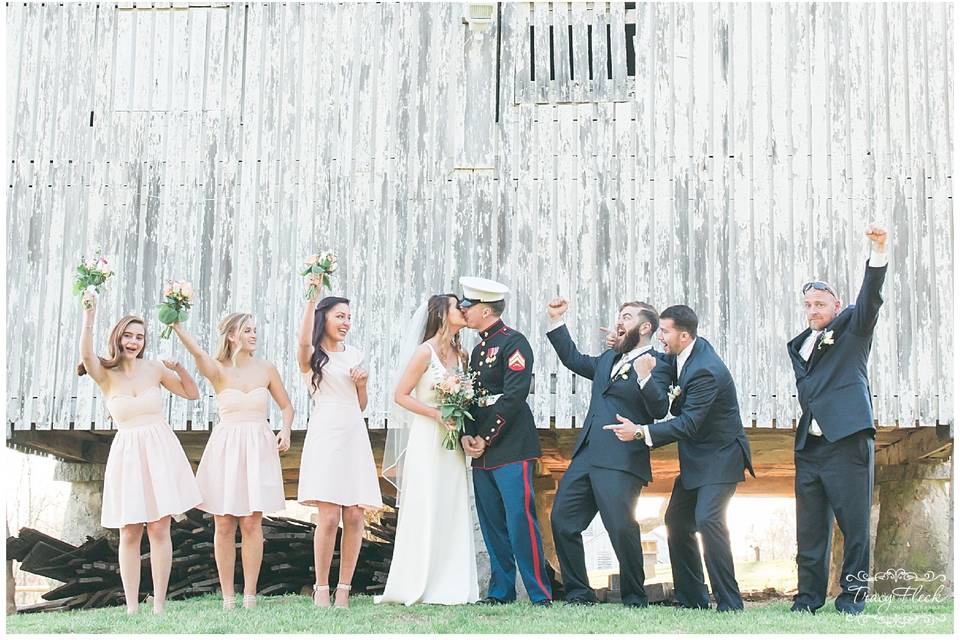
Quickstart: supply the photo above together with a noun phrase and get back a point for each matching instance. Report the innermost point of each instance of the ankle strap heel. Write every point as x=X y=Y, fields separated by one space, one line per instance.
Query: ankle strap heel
x=343 y=587
x=321 y=589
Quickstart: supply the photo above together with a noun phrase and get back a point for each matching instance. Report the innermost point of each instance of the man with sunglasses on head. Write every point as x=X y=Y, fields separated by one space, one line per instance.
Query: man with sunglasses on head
x=833 y=452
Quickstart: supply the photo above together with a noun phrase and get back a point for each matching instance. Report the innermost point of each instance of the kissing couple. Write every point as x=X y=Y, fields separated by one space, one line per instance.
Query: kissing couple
x=434 y=558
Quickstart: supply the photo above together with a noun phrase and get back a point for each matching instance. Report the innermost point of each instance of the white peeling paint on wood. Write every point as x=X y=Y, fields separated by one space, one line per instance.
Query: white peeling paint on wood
x=744 y=157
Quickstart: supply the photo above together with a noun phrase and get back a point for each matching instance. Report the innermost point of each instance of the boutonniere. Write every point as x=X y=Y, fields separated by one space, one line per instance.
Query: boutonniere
x=826 y=339
x=673 y=392
x=623 y=370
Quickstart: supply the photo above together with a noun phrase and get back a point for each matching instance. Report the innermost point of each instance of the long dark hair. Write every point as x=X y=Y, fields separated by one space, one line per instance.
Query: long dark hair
x=320 y=357
x=114 y=348
x=437 y=307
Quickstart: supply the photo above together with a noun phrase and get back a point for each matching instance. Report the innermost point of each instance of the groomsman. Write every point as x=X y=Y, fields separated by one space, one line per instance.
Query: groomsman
x=834 y=440
x=502 y=439
x=604 y=475
x=713 y=454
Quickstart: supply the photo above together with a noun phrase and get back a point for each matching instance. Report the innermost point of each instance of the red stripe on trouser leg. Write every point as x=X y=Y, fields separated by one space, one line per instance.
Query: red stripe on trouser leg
x=533 y=532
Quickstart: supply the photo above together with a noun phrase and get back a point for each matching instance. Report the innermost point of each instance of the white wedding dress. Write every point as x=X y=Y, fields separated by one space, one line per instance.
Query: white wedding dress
x=433 y=556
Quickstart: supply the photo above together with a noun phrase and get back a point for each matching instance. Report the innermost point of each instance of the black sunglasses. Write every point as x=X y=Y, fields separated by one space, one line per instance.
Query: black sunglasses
x=820 y=285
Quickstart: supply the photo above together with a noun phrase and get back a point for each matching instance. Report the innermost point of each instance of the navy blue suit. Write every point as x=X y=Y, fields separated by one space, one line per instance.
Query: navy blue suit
x=834 y=472
x=714 y=451
x=606 y=475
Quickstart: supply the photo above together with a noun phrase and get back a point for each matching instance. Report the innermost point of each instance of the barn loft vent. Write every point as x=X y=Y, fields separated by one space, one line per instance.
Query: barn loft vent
x=583 y=56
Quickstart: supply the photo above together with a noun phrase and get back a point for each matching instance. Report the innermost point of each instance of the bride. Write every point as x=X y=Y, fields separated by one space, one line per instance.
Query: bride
x=433 y=556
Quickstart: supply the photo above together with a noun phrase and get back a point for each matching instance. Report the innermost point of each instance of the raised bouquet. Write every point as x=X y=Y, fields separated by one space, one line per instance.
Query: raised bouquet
x=91 y=275
x=177 y=297
x=456 y=394
x=319 y=265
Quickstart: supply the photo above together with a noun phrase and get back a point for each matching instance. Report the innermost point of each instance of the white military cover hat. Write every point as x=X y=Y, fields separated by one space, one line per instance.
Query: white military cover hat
x=476 y=290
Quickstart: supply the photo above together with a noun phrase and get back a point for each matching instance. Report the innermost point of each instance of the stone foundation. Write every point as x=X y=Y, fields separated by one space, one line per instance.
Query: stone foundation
x=914 y=534
x=85 y=504
x=11 y=585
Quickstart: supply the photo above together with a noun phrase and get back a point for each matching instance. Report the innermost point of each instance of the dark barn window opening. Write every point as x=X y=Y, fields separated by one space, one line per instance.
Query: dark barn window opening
x=630 y=31
x=533 y=56
x=583 y=40
x=553 y=71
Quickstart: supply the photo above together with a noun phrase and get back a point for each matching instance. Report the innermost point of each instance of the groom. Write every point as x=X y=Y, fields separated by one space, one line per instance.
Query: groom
x=502 y=439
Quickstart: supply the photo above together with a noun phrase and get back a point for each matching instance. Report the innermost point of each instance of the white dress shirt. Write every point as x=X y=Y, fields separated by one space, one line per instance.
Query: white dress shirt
x=627 y=357
x=806 y=352
x=684 y=356
x=806 y=349
x=681 y=360
x=634 y=353
x=877 y=259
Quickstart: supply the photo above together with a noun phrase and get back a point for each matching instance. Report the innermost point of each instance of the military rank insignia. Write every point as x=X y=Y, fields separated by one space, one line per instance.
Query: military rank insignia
x=516 y=362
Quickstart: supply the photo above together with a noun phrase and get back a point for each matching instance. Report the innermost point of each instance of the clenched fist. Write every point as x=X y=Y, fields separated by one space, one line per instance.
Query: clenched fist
x=644 y=365
x=557 y=307
x=878 y=236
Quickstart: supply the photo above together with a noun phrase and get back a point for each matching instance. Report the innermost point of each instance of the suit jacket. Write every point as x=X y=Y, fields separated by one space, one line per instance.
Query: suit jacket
x=622 y=395
x=833 y=386
x=707 y=427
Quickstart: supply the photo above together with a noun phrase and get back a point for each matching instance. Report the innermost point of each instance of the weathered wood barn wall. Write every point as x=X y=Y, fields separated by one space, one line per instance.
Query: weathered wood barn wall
x=718 y=155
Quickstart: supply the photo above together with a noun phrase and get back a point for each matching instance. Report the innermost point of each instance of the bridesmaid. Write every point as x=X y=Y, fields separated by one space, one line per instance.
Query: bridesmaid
x=239 y=473
x=147 y=477
x=337 y=473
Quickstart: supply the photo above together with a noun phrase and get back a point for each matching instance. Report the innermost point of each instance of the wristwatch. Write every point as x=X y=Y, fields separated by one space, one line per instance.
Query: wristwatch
x=638 y=432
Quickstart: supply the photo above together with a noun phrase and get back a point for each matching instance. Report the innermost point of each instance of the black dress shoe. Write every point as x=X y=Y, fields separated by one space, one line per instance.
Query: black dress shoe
x=580 y=601
x=635 y=605
x=541 y=603
x=490 y=600
x=680 y=605
x=801 y=608
x=850 y=611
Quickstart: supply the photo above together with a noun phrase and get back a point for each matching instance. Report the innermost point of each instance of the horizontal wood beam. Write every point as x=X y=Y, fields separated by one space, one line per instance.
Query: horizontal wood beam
x=70 y=446
x=920 y=445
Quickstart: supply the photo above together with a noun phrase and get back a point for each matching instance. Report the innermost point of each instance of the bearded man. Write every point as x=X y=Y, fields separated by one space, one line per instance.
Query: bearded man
x=631 y=380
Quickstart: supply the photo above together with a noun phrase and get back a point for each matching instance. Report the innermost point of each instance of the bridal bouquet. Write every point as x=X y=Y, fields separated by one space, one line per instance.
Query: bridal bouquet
x=456 y=394
x=91 y=274
x=322 y=265
x=177 y=297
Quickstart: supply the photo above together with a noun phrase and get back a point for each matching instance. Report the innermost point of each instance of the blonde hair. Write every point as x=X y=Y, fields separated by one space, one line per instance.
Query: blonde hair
x=233 y=323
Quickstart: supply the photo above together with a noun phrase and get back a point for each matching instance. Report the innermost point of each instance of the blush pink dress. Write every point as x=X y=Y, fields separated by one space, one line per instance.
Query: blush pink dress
x=147 y=475
x=337 y=462
x=239 y=472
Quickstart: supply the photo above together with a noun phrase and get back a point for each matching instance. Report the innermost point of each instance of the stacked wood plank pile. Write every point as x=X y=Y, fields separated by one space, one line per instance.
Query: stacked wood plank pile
x=91 y=577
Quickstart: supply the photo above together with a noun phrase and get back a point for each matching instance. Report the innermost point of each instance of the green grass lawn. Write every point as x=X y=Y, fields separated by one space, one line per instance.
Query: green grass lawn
x=751 y=576
x=296 y=614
